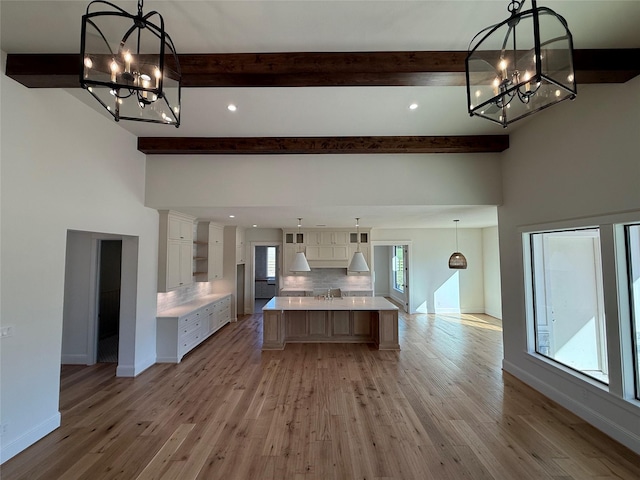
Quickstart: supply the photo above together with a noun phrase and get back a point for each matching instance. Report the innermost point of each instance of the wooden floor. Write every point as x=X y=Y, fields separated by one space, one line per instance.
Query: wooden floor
x=439 y=409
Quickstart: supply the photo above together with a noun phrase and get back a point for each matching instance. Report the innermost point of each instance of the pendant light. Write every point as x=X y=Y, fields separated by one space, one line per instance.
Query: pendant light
x=457 y=260
x=300 y=263
x=358 y=263
x=521 y=65
x=129 y=64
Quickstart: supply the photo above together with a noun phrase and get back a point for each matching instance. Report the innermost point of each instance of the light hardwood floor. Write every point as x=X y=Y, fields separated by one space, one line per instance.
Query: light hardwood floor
x=439 y=409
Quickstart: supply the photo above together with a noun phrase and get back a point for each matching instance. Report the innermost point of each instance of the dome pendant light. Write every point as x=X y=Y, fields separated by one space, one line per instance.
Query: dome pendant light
x=358 y=263
x=300 y=263
x=457 y=260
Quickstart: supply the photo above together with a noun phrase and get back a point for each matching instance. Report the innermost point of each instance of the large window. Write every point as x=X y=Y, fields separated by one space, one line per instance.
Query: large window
x=398 y=268
x=633 y=246
x=569 y=320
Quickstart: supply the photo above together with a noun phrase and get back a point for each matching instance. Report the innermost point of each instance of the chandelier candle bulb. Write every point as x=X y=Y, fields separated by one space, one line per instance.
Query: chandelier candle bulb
x=127 y=62
x=114 y=70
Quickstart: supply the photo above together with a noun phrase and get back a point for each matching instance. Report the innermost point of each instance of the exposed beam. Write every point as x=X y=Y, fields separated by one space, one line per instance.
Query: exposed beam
x=321 y=145
x=440 y=68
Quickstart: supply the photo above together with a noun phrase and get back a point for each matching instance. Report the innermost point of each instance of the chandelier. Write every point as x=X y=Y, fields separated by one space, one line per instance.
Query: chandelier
x=129 y=64
x=521 y=65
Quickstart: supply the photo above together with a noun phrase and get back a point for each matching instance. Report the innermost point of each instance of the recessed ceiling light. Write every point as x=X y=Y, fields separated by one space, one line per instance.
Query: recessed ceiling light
x=232 y=216
x=231 y=107
x=255 y=226
x=413 y=106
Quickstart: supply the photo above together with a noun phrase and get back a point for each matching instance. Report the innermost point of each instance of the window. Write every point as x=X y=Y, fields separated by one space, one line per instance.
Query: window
x=633 y=247
x=271 y=262
x=398 y=268
x=568 y=302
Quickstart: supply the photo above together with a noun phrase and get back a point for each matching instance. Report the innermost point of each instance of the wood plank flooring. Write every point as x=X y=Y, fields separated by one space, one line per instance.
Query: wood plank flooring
x=441 y=408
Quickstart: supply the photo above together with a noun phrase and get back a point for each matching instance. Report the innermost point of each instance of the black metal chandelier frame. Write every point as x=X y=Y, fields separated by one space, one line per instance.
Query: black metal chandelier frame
x=517 y=85
x=125 y=82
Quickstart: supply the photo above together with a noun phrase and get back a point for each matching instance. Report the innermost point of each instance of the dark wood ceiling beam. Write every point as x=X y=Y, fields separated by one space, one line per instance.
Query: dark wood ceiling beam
x=439 y=68
x=321 y=145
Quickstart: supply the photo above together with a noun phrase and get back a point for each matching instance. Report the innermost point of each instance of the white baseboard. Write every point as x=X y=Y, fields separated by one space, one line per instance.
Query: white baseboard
x=12 y=448
x=134 y=370
x=167 y=360
x=75 y=359
x=470 y=310
x=595 y=418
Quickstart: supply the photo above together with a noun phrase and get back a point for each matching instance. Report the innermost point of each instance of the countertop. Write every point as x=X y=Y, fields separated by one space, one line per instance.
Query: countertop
x=186 y=308
x=344 y=303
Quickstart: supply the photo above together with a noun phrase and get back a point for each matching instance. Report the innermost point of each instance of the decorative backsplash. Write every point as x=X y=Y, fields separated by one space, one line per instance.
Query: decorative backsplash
x=321 y=278
x=183 y=295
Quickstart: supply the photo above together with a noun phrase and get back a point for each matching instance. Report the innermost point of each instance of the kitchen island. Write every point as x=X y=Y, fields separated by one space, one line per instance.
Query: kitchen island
x=338 y=320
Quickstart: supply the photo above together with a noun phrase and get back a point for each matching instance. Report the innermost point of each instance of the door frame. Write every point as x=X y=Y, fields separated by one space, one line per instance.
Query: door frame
x=252 y=272
x=409 y=266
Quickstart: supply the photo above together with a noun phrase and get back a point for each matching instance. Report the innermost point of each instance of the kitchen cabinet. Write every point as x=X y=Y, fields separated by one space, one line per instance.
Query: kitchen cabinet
x=264 y=289
x=175 y=250
x=209 y=252
x=327 y=238
x=327 y=252
x=181 y=329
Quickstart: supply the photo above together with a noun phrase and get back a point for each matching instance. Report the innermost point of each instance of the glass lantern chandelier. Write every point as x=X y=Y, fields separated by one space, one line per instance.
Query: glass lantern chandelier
x=521 y=65
x=129 y=64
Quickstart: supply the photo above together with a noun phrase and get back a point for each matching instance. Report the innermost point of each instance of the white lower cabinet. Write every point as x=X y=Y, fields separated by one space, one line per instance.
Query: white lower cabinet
x=181 y=329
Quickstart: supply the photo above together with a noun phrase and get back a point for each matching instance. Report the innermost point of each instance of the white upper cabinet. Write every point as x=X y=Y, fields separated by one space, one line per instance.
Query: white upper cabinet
x=175 y=250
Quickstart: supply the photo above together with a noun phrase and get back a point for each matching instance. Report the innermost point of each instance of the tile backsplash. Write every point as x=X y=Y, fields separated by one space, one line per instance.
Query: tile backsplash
x=321 y=278
x=183 y=295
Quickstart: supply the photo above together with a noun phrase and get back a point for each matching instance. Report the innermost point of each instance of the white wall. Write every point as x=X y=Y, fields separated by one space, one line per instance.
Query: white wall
x=491 y=271
x=575 y=164
x=292 y=180
x=64 y=167
x=429 y=270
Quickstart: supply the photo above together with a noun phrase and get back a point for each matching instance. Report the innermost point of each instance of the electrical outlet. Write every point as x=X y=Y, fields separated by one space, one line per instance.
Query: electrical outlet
x=3 y=428
x=6 y=331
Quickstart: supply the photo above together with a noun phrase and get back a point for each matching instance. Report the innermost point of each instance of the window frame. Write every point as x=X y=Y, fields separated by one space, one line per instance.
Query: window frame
x=531 y=300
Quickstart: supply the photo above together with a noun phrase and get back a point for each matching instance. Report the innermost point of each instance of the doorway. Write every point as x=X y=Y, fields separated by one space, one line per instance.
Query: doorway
x=109 y=284
x=391 y=273
x=97 y=266
x=265 y=275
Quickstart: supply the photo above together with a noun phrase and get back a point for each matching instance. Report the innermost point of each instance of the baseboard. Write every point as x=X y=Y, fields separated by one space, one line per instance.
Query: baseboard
x=493 y=313
x=167 y=360
x=468 y=310
x=75 y=359
x=12 y=448
x=614 y=430
x=134 y=370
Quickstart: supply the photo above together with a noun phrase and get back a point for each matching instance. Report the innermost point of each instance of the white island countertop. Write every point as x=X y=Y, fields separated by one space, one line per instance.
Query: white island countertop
x=341 y=303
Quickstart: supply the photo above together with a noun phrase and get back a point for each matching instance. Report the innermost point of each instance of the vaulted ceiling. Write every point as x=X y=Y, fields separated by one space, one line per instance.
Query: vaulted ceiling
x=302 y=73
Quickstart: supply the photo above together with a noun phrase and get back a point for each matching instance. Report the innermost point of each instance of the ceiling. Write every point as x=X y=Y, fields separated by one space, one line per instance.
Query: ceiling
x=53 y=26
